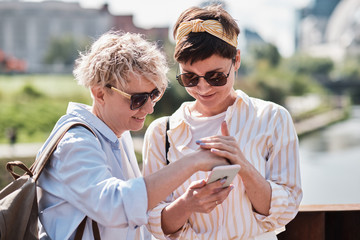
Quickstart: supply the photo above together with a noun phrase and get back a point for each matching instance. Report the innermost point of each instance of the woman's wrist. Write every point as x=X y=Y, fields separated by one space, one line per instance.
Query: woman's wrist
x=247 y=171
x=184 y=206
x=193 y=164
x=175 y=215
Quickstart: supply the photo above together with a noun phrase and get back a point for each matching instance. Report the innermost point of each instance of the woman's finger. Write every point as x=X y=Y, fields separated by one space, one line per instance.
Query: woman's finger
x=224 y=129
x=197 y=184
x=222 y=194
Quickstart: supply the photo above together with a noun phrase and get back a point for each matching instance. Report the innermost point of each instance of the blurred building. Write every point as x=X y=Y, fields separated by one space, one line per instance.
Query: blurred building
x=252 y=39
x=126 y=23
x=343 y=30
x=329 y=28
x=27 y=29
x=313 y=19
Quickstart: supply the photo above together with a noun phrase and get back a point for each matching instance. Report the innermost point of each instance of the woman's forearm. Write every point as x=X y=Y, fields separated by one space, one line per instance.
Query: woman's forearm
x=257 y=189
x=163 y=182
x=174 y=216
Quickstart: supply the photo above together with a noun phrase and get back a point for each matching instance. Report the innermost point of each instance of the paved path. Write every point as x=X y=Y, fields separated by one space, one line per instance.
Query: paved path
x=28 y=150
x=19 y=150
x=319 y=121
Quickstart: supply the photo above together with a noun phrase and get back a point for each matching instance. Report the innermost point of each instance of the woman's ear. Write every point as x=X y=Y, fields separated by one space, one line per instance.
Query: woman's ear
x=237 y=60
x=98 y=93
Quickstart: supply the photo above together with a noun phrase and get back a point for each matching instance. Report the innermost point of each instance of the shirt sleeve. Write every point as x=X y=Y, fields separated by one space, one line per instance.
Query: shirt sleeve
x=154 y=226
x=283 y=173
x=153 y=160
x=82 y=177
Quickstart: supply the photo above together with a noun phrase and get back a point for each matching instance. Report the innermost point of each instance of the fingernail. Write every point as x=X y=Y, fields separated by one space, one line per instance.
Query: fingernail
x=198 y=141
x=222 y=181
x=231 y=187
x=202 y=144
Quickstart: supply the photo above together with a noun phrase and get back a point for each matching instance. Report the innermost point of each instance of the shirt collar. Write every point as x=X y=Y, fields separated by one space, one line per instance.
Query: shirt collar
x=83 y=112
x=178 y=116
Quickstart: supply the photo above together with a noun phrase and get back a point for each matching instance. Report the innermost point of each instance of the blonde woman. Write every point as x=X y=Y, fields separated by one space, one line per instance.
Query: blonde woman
x=256 y=134
x=98 y=176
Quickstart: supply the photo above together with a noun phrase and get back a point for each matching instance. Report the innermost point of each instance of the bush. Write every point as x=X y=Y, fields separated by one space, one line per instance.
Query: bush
x=30 y=91
x=32 y=104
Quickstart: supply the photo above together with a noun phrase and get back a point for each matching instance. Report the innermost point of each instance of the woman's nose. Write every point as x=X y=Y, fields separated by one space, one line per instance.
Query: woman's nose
x=148 y=107
x=203 y=84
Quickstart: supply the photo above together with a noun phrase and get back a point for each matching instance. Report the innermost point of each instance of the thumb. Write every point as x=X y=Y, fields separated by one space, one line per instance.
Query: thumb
x=224 y=129
x=197 y=184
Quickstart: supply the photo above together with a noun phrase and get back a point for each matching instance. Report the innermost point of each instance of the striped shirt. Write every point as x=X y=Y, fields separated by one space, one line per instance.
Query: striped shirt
x=266 y=135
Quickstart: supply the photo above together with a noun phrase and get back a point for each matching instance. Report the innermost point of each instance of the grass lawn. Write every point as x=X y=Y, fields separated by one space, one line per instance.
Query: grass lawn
x=33 y=103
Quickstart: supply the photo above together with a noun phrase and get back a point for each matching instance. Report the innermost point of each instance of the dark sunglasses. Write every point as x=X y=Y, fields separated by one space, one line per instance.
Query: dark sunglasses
x=139 y=99
x=213 y=78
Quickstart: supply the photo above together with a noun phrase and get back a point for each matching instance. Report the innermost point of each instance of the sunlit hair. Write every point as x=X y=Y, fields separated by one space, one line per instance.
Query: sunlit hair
x=197 y=46
x=117 y=58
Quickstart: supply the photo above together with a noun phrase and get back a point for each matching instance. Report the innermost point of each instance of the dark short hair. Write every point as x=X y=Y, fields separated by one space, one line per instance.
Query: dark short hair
x=198 y=46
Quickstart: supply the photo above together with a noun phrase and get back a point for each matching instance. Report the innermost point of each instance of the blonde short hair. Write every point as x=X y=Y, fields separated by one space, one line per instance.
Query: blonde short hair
x=117 y=55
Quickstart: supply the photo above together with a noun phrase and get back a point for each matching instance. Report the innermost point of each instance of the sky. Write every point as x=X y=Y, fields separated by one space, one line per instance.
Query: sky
x=273 y=20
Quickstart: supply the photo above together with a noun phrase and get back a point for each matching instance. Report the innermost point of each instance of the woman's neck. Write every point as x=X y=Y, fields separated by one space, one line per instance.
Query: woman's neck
x=208 y=111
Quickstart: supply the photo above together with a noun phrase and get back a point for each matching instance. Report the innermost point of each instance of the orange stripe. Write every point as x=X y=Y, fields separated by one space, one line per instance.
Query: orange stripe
x=211 y=220
x=287 y=154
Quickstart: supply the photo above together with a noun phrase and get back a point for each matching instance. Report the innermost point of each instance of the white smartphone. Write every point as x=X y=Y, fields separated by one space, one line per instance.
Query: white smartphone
x=227 y=171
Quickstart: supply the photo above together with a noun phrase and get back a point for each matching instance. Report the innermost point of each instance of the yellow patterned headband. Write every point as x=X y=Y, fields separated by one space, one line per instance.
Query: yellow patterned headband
x=210 y=26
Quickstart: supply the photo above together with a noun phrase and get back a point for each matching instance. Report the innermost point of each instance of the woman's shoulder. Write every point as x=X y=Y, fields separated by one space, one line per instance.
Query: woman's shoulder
x=259 y=107
x=158 y=125
x=158 y=122
x=258 y=103
x=79 y=136
x=80 y=132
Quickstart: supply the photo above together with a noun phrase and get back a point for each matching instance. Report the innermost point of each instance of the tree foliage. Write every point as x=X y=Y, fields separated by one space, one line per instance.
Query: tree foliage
x=268 y=52
x=64 y=50
x=302 y=64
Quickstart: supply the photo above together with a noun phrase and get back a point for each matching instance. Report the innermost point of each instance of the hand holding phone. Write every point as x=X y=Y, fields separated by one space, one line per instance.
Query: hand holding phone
x=227 y=171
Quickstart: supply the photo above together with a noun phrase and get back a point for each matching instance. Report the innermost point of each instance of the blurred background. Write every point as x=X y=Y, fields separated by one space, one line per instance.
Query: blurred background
x=302 y=54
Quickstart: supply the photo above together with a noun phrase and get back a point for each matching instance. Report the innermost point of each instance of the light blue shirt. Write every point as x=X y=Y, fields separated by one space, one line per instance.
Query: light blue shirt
x=85 y=177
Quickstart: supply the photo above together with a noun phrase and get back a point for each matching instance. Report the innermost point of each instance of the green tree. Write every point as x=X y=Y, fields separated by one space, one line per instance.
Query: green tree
x=303 y=64
x=348 y=69
x=268 y=52
x=64 y=50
